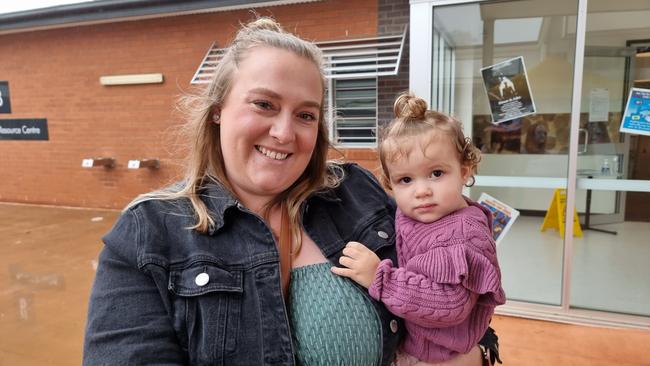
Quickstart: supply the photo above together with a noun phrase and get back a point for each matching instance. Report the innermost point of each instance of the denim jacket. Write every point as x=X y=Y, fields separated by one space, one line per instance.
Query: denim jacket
x=152 y=303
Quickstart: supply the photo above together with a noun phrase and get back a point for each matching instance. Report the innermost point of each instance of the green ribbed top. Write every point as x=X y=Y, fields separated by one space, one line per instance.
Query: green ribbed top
x=333 y=323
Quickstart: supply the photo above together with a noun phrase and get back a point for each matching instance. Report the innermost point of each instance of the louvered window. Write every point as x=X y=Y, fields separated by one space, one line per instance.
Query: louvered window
x=355 y=108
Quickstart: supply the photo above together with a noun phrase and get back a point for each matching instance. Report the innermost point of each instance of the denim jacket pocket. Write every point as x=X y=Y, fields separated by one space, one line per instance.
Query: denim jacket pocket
x=207 y=309
x=378 y=233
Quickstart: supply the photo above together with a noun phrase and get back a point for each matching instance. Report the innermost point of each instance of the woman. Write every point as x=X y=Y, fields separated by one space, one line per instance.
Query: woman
x=198 y=273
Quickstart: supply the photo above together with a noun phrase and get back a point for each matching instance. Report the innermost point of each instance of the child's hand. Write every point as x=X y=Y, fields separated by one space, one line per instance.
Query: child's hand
x=361 y=264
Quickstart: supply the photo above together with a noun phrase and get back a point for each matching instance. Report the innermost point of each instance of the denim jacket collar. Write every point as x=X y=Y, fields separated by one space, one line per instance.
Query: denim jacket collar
x=218 y=199
x=327 y=195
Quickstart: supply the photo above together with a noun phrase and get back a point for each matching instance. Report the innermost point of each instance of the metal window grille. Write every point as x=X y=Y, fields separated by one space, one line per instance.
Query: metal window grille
x=204 y=73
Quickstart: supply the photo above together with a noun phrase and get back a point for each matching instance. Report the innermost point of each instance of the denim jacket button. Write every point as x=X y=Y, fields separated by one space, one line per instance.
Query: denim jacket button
x=393 y=326
x=202 y=279
x=382 y=234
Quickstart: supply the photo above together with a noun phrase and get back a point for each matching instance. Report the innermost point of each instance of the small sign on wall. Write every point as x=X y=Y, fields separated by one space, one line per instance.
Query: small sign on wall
x=23 y=129
x=5 y=103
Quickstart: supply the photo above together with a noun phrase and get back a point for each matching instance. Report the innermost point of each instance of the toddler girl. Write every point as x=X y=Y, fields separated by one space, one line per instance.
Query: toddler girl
x=447 y=280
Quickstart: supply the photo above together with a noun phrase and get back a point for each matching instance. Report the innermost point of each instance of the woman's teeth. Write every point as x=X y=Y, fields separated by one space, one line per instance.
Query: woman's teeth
x=272 y=154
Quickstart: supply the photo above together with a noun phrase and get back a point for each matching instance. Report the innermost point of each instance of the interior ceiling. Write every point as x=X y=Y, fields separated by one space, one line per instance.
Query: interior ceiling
x=519 y=9
x=617 y=21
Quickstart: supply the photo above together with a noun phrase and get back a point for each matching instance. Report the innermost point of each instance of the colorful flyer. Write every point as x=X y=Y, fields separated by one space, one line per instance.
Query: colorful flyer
x=508 y=91
x=503 y=216
x=636 y=118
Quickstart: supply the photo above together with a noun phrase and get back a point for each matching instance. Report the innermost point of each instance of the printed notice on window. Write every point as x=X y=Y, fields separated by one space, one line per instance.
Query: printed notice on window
x=599 y=105
x=508 y=90
x=636 y=119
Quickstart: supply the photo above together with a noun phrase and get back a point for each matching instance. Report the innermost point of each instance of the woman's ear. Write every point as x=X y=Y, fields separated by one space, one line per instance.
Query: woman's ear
x=216 y=115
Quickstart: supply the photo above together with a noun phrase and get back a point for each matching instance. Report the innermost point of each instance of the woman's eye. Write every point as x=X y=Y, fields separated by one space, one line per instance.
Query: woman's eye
x=307 y=116
x=436 y=174
x=405 y=180
x=263 y=104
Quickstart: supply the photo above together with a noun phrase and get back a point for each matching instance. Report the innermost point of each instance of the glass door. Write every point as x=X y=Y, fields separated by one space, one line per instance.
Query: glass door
x=611 y=262
x=525 y=159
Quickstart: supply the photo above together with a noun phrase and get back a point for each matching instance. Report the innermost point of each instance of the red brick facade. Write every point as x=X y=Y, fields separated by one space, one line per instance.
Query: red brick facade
x=55 y=73
x=393 y=16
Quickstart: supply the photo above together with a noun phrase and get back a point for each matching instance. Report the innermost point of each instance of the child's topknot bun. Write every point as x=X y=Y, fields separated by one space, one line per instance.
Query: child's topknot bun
x=408 y=106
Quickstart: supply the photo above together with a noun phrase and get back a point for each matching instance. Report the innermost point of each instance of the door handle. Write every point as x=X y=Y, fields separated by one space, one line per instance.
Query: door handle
x=580 y=130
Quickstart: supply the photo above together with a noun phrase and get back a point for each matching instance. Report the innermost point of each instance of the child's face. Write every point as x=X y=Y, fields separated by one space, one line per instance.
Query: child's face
x=428 y=183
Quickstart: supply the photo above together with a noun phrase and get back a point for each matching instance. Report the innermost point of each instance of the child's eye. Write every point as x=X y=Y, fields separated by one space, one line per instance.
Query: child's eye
x=436 y=174
x=404 y=180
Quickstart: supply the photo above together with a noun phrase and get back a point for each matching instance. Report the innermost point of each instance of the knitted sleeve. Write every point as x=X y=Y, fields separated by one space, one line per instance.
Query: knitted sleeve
x=464 y=266
x=416 y=298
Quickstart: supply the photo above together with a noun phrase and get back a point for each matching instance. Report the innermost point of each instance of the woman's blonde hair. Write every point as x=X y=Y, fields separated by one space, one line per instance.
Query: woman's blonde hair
x=413 y=119
x=204 y=160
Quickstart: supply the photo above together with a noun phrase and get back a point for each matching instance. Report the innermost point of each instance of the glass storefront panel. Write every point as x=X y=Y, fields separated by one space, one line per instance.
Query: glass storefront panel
x=524 y=159
x=611 y=262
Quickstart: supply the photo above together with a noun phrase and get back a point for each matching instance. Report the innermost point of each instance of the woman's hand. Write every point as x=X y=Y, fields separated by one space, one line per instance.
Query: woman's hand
x=359 y=264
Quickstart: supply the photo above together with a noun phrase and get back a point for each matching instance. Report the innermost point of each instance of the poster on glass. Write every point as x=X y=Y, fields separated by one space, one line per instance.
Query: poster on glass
x=636 y=118
x=508 y=90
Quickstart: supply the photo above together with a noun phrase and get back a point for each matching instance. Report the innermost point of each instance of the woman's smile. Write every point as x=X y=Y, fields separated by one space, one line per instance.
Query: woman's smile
x=273 y=154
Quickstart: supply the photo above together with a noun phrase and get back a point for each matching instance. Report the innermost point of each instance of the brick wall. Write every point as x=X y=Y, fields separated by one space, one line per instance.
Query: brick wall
x=367 y=158
x=392 y=17
x=54 y=74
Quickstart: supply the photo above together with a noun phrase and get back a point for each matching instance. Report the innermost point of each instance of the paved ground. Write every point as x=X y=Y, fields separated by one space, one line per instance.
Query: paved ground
x=47 y=258
x=46 y=270
x=533 y=342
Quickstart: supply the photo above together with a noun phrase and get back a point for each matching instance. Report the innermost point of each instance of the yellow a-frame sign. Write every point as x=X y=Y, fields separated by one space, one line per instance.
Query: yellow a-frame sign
x=555 y=215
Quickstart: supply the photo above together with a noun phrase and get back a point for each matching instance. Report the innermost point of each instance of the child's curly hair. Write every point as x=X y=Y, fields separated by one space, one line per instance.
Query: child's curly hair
x=412 y=118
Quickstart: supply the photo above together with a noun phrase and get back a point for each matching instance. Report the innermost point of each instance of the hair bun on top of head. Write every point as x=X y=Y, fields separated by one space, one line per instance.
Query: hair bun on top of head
x=264 y=23
x=408 y=106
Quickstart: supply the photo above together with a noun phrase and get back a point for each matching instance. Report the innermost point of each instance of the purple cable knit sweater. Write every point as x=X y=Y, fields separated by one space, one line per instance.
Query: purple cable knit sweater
x=447 y=284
